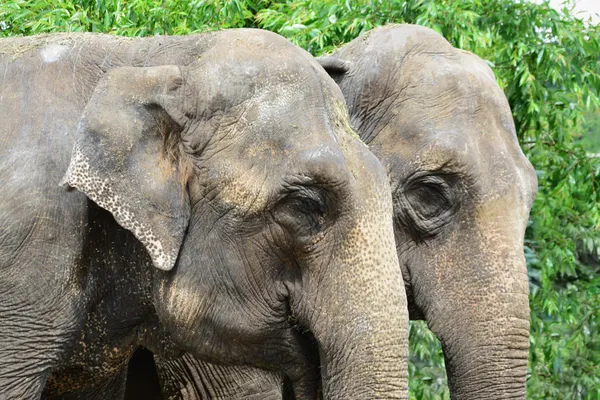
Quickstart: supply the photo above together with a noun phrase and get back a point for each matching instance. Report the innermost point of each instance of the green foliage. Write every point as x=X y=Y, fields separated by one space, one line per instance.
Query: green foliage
x=125 y=17
x=590 y=136
x=547 y=63
x=426 y=367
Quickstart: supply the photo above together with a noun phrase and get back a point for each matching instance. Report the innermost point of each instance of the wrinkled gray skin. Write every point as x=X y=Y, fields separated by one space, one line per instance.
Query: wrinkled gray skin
x=462 y=191
x=219 y=191
x=187 y=378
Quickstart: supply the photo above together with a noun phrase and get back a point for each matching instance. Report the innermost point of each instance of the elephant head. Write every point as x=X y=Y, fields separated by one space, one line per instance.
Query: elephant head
x=268 y=221
x=462 y=190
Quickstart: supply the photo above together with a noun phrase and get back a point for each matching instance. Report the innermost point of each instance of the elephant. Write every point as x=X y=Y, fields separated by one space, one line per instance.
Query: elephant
x=462 y=188
x=462 y=191
x=201 y=194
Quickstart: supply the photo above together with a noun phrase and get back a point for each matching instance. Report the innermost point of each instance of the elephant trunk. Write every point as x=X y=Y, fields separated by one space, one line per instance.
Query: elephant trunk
x=482 y=323
x=497 y=371
x=487 y=360
x=356 y=307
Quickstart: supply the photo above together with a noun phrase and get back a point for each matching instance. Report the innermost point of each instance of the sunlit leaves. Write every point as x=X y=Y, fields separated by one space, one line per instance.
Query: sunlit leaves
x=426 y=368
x=126 y=17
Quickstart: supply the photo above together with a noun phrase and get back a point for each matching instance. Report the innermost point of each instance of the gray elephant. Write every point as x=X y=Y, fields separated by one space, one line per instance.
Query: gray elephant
x=462 y=188
x=220 y=193
x=462 y=191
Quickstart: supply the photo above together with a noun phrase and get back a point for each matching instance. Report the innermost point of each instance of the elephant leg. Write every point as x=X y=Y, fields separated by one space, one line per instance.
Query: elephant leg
x=30 y=348
x=41 y=304
x=186 y=378
x=33 y=341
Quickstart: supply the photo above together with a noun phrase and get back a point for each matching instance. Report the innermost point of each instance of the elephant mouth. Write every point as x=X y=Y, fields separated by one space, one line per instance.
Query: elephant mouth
x=302 y=378
x=414 y=311
x=305 y=344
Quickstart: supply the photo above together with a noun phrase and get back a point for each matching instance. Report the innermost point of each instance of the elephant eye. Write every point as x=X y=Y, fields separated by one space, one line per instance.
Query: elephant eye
x=303 y=213
x=427 y=204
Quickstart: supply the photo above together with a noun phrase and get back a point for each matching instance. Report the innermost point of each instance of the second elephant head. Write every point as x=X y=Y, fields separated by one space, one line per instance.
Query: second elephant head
x=462 y=191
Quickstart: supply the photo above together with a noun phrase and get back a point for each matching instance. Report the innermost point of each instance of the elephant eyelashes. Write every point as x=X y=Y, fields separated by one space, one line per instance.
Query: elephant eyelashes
x=303 y=214
x=427 y=204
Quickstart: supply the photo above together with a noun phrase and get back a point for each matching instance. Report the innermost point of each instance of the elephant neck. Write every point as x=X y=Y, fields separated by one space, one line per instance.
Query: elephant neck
x=121 y=275
x=114 y=275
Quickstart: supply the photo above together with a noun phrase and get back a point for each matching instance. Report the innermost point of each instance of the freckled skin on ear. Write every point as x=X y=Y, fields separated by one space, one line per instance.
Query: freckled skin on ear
x=99 y=189
x=222 y=208
x=118 y=116
x=462 y=191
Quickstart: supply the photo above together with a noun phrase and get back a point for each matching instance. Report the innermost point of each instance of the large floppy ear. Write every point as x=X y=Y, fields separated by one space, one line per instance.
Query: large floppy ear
x=126 y=156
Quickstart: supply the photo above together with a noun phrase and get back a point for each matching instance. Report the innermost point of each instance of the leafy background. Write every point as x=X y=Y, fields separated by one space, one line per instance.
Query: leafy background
x=546 y=61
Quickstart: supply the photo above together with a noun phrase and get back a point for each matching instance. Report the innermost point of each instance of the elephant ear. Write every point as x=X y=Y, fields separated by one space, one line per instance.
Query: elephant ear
x=334 y=65
x=120 y=159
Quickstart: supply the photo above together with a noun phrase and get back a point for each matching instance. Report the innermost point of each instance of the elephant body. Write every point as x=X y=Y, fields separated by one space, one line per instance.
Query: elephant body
x=62 y=256
x=205 y=180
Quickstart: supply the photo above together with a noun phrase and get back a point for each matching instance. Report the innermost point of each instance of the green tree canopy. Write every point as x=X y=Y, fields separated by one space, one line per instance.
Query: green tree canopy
x=547 y=63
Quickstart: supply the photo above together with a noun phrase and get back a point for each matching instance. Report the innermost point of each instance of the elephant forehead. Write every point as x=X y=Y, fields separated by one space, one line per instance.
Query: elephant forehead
x=241 y=186
x=445 y=84
x=253 y=182
x=272 y=129
x=245 y=64
x=447 y=112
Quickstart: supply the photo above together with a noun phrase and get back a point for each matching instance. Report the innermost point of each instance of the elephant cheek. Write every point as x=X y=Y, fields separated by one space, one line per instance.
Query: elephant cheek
x=178 y=303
